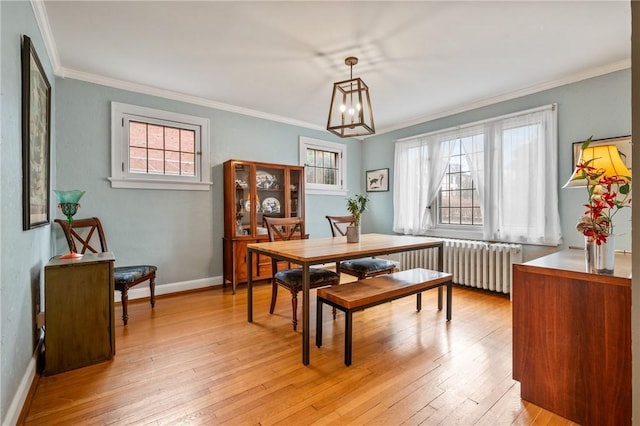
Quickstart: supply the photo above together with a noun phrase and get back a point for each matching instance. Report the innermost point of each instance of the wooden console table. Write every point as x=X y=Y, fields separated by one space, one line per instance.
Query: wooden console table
x=572 y=337
x=79 y=323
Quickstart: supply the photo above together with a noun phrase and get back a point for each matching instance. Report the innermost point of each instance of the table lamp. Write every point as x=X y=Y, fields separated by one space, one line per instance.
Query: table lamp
x=68 y=203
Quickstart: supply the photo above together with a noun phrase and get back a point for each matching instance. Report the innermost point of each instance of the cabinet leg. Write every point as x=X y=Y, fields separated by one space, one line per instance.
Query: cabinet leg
x=125 y=302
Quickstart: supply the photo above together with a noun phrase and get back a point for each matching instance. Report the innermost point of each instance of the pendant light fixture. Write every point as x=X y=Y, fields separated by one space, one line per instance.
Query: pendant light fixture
x=350 y=110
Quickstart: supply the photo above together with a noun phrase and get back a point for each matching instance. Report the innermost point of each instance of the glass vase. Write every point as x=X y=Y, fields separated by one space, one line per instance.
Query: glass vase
x=589 y=255
x=604 y=256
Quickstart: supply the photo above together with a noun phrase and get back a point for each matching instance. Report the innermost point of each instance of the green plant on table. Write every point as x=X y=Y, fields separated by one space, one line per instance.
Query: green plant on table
x=357 y=205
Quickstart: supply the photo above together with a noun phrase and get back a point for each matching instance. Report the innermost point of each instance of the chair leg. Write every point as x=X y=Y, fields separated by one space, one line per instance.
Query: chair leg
x=125 y=302
x=294 y=308
x=274 y=296
x=152 y=290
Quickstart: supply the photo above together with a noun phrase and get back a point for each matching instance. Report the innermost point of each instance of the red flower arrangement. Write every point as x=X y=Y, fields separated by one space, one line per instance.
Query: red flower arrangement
x=607 y=195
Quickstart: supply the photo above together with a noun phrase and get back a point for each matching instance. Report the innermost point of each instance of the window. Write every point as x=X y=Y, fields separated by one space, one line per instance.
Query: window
x=325 y=171
x=155 y=149
x=458 y=200
x=495 y=179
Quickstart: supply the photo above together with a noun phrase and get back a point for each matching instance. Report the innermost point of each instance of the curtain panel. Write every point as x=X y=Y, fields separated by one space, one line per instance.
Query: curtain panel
x=513 y=162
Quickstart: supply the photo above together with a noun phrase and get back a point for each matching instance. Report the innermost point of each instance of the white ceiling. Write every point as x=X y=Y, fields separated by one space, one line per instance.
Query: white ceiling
x=278 y=60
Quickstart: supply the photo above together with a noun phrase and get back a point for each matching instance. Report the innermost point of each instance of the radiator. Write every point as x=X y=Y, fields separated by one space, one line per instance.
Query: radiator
x=472 y=263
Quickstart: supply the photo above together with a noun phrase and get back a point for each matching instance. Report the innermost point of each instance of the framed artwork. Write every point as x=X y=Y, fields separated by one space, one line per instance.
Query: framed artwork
x=377 y=180
x=623 y=143
x=36 y=139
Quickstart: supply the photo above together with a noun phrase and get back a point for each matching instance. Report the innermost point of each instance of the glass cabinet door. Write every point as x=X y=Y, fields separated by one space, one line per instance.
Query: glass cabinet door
x=242 y=174
x=270 y=200
x=295 y=180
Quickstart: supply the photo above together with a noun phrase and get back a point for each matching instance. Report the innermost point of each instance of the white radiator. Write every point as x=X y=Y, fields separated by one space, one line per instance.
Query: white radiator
x=472 y=263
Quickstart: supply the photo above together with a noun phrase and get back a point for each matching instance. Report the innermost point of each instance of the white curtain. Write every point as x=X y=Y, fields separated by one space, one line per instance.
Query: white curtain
x=513 y=164
x=419 y=167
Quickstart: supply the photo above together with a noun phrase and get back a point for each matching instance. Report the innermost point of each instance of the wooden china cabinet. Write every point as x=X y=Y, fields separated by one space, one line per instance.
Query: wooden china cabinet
x=253 y=191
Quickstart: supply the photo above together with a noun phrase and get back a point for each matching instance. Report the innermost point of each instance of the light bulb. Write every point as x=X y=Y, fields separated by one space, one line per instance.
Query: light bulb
x=359 y=107
x=343 y=108
x=351 y=111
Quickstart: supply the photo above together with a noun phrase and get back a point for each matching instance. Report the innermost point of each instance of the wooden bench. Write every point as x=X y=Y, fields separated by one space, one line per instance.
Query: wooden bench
x=362 y=294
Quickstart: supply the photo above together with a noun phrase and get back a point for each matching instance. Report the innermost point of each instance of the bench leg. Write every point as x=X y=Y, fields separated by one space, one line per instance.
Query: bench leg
x=348 y=328
x=440 y=297
x=449 y=294
x=419 y=302
x=319 y=323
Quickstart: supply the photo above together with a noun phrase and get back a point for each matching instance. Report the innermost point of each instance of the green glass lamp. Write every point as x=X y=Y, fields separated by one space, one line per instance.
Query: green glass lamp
x=68 y=203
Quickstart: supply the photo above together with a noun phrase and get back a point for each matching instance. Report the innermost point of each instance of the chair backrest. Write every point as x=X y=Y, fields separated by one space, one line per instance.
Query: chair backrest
x=85 y=233
x=285 y=228
x=339 y=224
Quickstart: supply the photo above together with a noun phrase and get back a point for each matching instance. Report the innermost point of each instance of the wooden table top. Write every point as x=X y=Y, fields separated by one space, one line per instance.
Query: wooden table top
x=320 y=250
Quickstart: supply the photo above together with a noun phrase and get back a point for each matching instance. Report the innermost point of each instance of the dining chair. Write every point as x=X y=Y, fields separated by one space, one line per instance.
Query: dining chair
x=89 y=234
x=290 y=228
x=360 y=268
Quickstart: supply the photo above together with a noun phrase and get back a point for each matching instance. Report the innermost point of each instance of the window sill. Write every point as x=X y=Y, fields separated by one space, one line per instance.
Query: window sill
x=324 y=192
x=157 y=184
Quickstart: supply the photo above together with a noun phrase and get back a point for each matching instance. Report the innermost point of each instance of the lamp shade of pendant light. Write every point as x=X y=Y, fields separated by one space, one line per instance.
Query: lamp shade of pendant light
x=350 y=111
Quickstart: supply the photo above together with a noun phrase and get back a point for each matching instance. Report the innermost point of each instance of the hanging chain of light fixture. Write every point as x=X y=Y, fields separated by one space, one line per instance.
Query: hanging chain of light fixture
x=350 y=111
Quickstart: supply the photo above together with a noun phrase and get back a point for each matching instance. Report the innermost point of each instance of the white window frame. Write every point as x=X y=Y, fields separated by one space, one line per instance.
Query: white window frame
x=340 y=188
x=121 y=114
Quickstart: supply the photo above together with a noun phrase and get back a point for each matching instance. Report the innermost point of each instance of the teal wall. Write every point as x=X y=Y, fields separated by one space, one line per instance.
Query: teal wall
x=179 y=231
x=599 y=106
x=23 y=254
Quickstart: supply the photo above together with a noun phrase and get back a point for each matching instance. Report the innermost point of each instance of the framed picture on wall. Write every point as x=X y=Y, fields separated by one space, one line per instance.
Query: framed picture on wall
x=36 y=139
x=623 y=143
x=377 y=180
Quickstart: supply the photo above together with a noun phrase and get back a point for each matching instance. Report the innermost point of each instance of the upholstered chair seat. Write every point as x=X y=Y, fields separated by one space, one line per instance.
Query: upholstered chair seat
x=360 y=268
x=366 y=267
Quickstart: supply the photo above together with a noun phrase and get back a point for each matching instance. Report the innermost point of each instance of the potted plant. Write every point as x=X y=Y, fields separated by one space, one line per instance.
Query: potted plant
x=356 y=205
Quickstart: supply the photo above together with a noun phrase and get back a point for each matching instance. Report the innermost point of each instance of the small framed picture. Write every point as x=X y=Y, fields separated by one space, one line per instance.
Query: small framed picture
x=623 y=143
x=377 y=180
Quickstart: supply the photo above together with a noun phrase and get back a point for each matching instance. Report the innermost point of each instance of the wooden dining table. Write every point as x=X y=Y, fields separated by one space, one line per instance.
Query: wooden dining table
x=315 y=251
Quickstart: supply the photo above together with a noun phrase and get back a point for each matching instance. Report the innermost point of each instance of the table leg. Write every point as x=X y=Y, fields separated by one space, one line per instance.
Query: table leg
x=249 y=286
x=439 y=298
x=419 y=302
x=449 y=294
x=305 y=314
x=319 y=323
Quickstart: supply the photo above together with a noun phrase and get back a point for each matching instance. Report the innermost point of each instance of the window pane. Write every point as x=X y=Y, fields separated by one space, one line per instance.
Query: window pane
x=156 y=161
x=444 y=216
x=155 y=136
x=187 y=140
x=187 y=164
x=466 y=216
x=138 y=160
x=137 y=134
x=310 y=173
x=329 y=176
x=172 y=163
x=171 y=139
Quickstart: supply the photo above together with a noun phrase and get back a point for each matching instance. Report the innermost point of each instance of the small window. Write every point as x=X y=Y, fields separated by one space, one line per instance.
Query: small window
x=156 y=149
x=324 y=166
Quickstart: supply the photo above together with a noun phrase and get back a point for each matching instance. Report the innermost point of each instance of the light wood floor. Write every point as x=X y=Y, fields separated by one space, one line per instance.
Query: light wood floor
x=195 y=360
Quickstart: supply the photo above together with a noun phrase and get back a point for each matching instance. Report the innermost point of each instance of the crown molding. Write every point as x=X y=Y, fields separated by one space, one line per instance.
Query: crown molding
x=168 y=94
x=42 y=19
x=572 y=78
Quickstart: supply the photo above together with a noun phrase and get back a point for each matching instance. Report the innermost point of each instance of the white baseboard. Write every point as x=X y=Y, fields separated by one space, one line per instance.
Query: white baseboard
x=20 y=397
x=142 y=290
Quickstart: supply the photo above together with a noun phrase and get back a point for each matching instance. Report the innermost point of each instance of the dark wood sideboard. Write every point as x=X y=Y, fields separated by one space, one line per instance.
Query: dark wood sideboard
x=572 y=337
x=79 y=316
